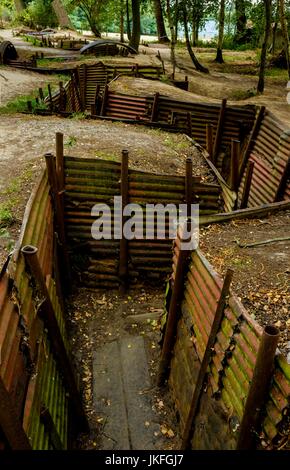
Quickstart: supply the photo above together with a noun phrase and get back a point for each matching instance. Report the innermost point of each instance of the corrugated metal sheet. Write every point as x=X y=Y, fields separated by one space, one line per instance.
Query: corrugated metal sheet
x=231 y=368
x=91 y=181
x=270 y=155
x=28 y=369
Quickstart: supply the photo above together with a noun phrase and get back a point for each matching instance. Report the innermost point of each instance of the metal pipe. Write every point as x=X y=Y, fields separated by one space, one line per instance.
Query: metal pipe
x=259 y=388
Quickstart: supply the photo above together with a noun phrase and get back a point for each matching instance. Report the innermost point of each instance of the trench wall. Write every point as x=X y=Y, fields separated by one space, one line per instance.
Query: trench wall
x=30 y=373
x=223 y=398
x=92 y=181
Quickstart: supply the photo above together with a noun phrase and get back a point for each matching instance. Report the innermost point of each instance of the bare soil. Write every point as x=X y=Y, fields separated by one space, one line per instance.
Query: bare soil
x=262 y=273
x=15 y=83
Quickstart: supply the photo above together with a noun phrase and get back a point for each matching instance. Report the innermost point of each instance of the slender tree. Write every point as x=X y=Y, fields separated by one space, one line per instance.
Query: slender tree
x=136 y=27
x=173 y=33
x=241 y=21
x=128 y=20
x=268 y=17
x=122 y=20
x=193 y=57
x=161 y=31
x=284 y=27
x=219 y=53
x=91 y=10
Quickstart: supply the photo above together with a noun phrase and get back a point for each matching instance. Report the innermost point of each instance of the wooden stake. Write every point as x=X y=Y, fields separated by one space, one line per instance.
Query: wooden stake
x=173 y=315
x=247 y=184
x=123 y=264
x=235 y=157
x=219 y=131
x=209 y=140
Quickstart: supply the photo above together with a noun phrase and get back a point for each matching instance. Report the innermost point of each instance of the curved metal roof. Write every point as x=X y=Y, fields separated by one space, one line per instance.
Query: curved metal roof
x=104 y=42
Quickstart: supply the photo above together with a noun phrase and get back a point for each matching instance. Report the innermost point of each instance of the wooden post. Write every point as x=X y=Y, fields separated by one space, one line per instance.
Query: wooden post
x=97 y=92
x=29 y=106
x=283 y=183
x=41 y=95
x=104 y=102
x=259 y=388
x=247 y=184
x=123 y=265
x=61 y=97
x=59 y=161
x=251 y=141
x=235 y=157
x=189 y=124
x=59 y=350
x=154 y=114
x=188 y=431
x=11 y=425
x=209 y=140
x=173 y=314
x=50 y=97
x=219 y=131
x=59 y=216
x=84 y=89
x=188 y=185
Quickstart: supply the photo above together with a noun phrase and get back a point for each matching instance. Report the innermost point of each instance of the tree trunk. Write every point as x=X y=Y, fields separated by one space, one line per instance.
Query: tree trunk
x=196 y=63
x=19 y=5
x=284 y=27
x=122 y=21
x=136 y=28
x=161 y=31
x=268 y=16
x=94 y=29
x=195 y=30
x=241 y=21
x=129 y=35
x=219 y=53
x=172 y=37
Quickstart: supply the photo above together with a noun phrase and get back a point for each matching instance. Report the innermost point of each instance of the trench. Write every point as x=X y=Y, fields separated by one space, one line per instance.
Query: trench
x=210 y=343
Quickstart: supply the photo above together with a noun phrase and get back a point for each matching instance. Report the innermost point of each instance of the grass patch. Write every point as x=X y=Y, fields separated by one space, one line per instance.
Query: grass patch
x=239 y=95
x=6 y=216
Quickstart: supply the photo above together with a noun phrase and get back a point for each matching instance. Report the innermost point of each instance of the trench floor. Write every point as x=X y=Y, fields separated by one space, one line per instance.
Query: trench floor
x=116 y=349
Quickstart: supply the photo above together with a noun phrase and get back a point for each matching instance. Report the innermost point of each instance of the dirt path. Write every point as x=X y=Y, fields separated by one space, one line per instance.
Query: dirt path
x=101 y=318
x=15 y=83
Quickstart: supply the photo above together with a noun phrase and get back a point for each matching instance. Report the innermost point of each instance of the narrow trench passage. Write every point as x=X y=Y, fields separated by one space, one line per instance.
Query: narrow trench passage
x=116 y=346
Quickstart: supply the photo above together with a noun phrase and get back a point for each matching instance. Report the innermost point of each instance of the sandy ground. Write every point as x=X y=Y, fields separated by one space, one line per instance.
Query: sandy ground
x=14 y=83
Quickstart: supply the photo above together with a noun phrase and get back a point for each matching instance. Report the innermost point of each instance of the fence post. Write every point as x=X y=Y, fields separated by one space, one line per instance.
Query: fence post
x=154 y=114
x=219 y=131
x=251 y=141
x=189 y=124
x=173 y=313
x=188 y=185
x=283 y=183
x=247 y=185
x=235 y=157
x=259 y=387
x=50 y=97
x=41 y=95
x=123 y=264
x=59 y=215
x=32 y=261
x=209 y=140
x=188 y=431
x=104 y=102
